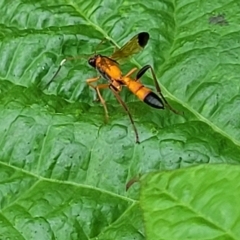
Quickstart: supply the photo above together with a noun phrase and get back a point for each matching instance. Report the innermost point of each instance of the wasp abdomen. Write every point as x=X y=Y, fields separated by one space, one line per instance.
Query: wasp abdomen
x=153 y=100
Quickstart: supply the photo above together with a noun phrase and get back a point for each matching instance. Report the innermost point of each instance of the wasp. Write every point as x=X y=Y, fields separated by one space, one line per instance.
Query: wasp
x=109 y=69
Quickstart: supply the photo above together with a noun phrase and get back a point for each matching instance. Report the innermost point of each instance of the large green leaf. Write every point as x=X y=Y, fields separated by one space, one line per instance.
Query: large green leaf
x=198 y=203
x=63 y=170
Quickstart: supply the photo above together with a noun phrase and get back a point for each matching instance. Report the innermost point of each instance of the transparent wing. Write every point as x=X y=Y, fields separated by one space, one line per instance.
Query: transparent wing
x=133 y=46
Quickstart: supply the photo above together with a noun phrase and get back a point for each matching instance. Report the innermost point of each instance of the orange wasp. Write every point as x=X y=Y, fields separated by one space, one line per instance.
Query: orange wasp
x=108 y=68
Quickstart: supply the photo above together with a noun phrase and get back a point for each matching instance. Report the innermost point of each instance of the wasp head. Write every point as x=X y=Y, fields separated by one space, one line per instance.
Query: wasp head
x=92 y=61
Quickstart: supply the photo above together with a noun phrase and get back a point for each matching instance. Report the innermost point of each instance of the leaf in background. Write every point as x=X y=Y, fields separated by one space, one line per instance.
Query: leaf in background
x=197 y=203
x=63 y=171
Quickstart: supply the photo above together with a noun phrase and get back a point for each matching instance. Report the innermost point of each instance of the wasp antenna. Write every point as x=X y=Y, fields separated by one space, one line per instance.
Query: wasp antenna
x=99 y=44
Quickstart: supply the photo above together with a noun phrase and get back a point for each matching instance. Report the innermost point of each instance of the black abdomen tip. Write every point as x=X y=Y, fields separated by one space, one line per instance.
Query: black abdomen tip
x=143 y=39
x=153 y=100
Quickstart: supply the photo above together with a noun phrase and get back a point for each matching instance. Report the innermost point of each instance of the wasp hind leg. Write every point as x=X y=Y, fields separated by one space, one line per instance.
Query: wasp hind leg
x=127 y=110
x=141 y=72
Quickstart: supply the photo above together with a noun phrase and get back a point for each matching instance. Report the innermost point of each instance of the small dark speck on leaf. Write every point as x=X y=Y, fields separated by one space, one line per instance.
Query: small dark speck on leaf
x=180 y=158
x=218 y=20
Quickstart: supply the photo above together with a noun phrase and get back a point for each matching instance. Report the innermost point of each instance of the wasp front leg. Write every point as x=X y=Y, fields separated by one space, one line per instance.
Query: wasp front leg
x=89 y=83
x=96 y=88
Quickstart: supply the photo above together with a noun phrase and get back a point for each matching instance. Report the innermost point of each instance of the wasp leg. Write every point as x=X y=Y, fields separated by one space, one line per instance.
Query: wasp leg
x=90 y=81
x=131 y=72
x=142 y=71
x=101 y=86
x=96 y=88
x=103 y=103
x=127 y=110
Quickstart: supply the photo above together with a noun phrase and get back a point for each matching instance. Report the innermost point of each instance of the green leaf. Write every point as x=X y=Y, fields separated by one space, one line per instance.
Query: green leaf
x=196 y=203
x=63 y=169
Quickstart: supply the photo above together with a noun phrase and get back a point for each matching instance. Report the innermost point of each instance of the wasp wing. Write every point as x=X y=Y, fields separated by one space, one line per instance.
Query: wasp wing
x=133 y=46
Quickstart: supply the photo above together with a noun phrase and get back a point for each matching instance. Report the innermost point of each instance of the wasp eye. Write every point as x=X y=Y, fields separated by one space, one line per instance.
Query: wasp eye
x=92 y=62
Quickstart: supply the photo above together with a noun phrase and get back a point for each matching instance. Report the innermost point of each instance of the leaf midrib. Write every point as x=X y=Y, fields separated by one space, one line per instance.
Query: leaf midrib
x=40 y=179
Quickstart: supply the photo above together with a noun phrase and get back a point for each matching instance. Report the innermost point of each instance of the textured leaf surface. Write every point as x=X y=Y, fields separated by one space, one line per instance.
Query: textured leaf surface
x=63 y=170
x=197 y=203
